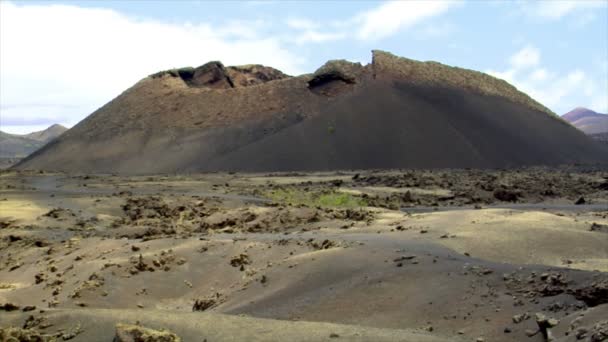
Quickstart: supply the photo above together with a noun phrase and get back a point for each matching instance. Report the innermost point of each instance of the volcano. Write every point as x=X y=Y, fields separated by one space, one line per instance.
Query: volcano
x=392 y=113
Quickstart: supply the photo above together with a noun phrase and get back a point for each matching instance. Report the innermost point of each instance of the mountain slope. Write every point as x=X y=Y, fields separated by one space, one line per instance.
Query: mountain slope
x=587 y=120
x=392 y=113
x=19 y=146
x=48 y=134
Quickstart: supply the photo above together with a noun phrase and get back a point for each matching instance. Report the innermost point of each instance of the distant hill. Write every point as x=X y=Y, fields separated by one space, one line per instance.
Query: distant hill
x=21 y=145
x=392 y=113
x=48 y=134
x=587 y=120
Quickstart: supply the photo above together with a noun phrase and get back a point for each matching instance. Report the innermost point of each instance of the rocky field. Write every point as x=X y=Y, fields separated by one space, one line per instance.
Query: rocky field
x=454 y=255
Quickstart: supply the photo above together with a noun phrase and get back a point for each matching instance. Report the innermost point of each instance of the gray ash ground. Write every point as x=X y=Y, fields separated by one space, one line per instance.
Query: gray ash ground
x=82 y=255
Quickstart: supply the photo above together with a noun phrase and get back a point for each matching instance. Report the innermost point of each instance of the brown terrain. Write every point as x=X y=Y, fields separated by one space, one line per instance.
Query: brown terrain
x=437 y=255
x=392 y=113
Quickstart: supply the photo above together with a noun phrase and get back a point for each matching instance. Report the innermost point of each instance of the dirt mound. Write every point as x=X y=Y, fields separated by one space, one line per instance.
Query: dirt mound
x=392 y=113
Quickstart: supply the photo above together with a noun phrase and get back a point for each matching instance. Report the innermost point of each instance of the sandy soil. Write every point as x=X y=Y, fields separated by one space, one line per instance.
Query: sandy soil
x=406 y=256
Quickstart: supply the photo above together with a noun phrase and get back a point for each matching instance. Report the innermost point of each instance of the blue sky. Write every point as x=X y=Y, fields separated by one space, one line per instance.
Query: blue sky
x=60 y=61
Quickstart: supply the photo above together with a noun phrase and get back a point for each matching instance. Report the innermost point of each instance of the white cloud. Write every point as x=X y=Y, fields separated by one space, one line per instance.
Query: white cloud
x=436 y=30
x=599 y=103
x=557 y=91
x=260 y=3
x=394 y=16
x=552 y=93
x=379 y=22
x=539 y=75
x=529 y=56
x=557 y=9
x=312 y=36
x=302 y=24
x=310 y=32
x=53 y=55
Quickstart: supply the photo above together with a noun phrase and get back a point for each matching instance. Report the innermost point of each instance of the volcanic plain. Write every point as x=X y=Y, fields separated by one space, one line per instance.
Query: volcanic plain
x=441 y=255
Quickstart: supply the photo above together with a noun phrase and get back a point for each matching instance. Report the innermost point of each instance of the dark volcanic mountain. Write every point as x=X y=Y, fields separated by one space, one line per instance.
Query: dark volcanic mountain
x=392 y=113
x=587 y=120
x=19 y=146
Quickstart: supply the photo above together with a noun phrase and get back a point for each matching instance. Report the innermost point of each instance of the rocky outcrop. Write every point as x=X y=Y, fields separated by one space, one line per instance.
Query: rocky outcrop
x=334 y=77
x=211 y=75
x=338 y=69
x=214 y=75
x=253 y=74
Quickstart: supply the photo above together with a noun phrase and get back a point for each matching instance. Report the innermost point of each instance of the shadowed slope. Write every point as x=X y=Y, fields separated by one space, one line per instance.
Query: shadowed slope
x=396 y=125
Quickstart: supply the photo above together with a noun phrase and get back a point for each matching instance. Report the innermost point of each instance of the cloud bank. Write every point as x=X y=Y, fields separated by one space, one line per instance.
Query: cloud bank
x=59 y=63
x=551 y=88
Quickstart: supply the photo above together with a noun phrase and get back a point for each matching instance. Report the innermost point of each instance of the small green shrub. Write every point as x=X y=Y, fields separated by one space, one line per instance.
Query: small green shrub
x=335 y=199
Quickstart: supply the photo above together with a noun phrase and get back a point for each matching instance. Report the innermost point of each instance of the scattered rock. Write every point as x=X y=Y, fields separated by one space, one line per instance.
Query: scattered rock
x=60 y=214
x=240 y=260
x=11 y=334
x=9 y=307
x=136 y=333
x=592 y=294
x=506 y=195
x=596 y=227
x=404 y=257
x=203 y=304
x=325 y=244
x=599 y=332
x=520 y=318
x=545 y=324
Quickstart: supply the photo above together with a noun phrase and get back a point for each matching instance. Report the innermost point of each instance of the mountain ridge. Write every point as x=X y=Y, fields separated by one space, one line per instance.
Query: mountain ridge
x=21 y=145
